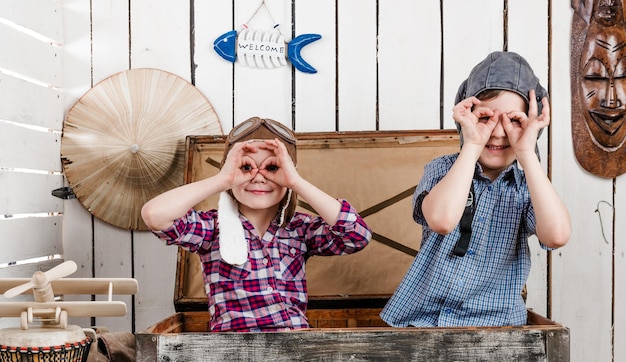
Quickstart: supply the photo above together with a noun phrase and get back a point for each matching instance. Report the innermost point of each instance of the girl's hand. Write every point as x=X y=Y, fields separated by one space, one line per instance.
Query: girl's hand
x=239 y=168
x=476 y=122
x=523 y=130
x=279 y=168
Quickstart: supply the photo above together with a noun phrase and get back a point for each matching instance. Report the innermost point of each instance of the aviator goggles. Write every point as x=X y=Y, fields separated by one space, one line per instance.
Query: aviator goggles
x=245 y=128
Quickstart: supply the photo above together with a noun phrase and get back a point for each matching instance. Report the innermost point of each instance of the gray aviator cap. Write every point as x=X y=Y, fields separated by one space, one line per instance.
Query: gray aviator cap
x=502 y=70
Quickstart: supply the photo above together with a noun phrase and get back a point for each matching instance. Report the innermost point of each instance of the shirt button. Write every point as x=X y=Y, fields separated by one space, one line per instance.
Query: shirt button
x=269 y=289
x=293 y=251
x=448 y=310
x=265 y=261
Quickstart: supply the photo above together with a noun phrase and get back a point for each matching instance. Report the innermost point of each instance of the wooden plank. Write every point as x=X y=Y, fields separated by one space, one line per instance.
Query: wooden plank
x=619 y=273
x=463 y=49
x=409 y=64
x=111 y=40
x=113 y=257
x=532 y=44
x=213 y=75
x=37 y=150
x=356 y=58
x=77 y=58
x=156 y=275
x=27 y=269
x=29 y=193
x=18 y=98
x=78 y=246
x=35 y=236
x=263 y=92
x=397 y=344
x=43 y=17
x=582 y=297
x=45 y=67
x=345 y=318
x=160 y=37
x=315 y=94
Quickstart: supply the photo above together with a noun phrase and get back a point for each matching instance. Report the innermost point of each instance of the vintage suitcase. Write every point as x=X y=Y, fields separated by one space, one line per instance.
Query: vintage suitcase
x=377 y=172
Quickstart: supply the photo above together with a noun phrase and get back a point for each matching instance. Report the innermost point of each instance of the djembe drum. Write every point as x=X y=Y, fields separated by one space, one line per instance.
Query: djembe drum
x=43 y=344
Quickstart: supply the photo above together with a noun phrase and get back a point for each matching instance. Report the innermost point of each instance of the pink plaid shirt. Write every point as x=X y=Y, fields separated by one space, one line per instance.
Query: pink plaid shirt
x=268 y=292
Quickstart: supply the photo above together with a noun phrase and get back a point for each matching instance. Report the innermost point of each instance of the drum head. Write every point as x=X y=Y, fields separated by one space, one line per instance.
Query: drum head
x=47 y=344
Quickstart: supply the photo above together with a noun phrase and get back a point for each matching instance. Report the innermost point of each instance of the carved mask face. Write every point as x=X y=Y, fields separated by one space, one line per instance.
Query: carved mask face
x=603 y=76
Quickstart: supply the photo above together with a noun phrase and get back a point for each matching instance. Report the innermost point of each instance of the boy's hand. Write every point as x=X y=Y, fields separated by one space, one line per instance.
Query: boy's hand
x=476 y=124
x=239 y=168
x=280 y=168
x=523 y=130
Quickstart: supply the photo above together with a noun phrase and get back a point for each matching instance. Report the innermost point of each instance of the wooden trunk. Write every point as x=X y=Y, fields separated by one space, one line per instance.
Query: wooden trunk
x=355 y=335
x=377 y=172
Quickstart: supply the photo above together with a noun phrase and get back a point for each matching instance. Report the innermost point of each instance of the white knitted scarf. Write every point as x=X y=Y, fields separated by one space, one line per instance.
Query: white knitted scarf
x=233 y=243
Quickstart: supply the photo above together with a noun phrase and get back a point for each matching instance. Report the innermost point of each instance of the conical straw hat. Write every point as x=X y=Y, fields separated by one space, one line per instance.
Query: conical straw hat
x=124 y=141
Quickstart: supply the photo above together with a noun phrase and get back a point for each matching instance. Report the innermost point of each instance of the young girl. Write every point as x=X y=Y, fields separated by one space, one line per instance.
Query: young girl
x=254 y=247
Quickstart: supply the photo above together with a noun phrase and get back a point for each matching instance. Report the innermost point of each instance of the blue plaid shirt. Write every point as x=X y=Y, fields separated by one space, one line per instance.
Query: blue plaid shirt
x=482 y=288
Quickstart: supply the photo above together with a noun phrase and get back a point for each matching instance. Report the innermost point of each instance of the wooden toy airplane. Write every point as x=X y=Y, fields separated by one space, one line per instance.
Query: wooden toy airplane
x=53 y=312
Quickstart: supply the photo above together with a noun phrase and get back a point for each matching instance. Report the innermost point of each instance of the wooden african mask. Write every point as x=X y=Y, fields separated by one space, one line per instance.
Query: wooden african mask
x=598 y=81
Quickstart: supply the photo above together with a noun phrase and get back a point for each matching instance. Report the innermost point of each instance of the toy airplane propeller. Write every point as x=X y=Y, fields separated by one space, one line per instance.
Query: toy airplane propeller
x=41 y=280
x=53 y=312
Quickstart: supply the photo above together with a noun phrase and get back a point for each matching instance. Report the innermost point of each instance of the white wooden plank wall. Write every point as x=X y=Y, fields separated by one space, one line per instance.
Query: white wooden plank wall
x=113 y=247
x=582 y=276
x=532 y=42
x=314 y=94
x=31 y=119
x=78 y=226
x=381 y=65
x=409 y=65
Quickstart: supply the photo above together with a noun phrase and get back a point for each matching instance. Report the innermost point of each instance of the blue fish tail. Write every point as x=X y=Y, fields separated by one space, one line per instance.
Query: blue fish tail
x=295 y=47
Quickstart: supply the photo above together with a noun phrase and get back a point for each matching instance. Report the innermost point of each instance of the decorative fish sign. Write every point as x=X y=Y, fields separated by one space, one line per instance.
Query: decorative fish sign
x=264 y=49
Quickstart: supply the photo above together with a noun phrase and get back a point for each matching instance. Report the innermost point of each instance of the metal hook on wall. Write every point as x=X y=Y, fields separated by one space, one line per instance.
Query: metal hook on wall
x=600 y=217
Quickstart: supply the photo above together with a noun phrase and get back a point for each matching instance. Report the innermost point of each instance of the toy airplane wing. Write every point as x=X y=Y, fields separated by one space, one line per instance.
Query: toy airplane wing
x=88 y=286
x=46 y=307
x=73 y=309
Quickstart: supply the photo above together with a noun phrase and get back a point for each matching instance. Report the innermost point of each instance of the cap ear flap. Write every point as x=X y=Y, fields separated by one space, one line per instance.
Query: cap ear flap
x=540 y=92
x=461 y=94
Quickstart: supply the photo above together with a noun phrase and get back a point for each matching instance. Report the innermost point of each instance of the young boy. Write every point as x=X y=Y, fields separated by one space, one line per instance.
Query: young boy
x=480 y=284
x=254 y=246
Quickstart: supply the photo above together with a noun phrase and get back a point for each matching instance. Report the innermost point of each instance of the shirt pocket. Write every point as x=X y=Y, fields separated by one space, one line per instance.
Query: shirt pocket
x=234 y=272
x=292 y=254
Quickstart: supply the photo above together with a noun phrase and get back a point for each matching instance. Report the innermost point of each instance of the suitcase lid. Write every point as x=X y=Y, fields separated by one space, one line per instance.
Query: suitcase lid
x=377 y=172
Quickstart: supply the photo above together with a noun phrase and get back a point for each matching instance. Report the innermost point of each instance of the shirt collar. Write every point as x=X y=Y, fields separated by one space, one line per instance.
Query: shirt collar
x=513 y=174
x=247 y=225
